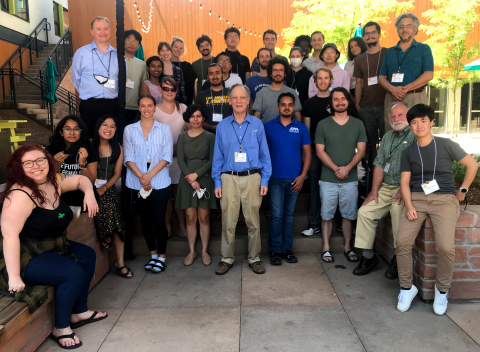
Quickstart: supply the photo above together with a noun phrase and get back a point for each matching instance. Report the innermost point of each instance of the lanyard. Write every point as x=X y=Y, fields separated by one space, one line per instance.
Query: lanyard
x=391 y=145
x=421 y=160
x=293 y=83
x=109 y=61
x=378 y=63
x=238 y=139
x=213 y=105
x=398 y=58
x=201 y=66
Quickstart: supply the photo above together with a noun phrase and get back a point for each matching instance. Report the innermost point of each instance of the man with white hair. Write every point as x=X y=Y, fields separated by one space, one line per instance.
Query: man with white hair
x=407 y=67
x=385 y=195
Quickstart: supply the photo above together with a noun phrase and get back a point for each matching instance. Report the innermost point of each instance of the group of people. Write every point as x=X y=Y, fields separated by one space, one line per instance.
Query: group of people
x=221 y=134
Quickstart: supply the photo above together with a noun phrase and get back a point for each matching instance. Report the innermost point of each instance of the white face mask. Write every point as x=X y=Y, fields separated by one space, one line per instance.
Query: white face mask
x=296 y=61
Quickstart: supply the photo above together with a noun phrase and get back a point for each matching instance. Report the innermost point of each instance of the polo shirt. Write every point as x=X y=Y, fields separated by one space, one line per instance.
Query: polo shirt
x=414 y=61
x=285 y=146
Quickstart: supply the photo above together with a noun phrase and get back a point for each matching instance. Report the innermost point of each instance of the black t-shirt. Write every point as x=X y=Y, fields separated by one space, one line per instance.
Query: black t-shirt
x=70 y=167
x=188 y=78
x=299 y=81
x=218 y=103
x=240 y=64
x=207 y=85
x=447 y=152
x=316 y=109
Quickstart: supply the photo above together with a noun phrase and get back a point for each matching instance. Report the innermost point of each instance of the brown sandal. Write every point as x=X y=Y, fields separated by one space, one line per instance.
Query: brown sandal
x=119 y=271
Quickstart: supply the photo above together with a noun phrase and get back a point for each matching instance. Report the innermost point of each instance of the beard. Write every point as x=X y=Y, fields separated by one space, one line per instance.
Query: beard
x=340 y=109
x=263 y=67
x=372 y=44
x=399 y=126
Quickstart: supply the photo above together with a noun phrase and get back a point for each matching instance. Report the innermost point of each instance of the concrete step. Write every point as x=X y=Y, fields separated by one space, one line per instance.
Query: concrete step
x=38 y=111
x=29 y=106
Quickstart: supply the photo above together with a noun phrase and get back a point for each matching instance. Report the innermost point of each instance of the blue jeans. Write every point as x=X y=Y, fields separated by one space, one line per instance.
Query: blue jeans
x=282 y=205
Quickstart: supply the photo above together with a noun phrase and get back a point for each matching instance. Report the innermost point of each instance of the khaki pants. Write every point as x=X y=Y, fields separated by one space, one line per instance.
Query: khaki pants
x=443 y=210
x=244 y=190
x=411 y=99
x=370 y=213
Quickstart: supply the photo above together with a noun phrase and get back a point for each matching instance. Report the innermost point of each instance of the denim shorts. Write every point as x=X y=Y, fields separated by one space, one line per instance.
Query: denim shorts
x=345 y=195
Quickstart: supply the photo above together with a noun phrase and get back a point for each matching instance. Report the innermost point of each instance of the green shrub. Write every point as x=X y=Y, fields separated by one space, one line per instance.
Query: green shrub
x=459 y=172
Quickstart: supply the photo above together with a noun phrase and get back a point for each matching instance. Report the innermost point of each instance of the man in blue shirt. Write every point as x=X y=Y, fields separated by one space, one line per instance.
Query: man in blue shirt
x=241 y=169
x=286 y=138
x=95 y=75
x=407 y=67
x=260 y=80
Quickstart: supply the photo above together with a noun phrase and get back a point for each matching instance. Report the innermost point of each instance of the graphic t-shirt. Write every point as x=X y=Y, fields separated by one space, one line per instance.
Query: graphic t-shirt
x=214 y=103
x=256 y=83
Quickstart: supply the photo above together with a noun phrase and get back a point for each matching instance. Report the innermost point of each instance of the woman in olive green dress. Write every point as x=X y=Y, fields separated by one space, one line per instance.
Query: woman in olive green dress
x=195 y=155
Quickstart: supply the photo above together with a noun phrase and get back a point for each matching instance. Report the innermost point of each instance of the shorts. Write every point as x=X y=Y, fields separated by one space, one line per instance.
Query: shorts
x=345 y=195
x=174 y=171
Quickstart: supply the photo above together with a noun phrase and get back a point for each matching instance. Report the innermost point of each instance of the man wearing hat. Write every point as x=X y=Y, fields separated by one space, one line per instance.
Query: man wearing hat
x=341 y=78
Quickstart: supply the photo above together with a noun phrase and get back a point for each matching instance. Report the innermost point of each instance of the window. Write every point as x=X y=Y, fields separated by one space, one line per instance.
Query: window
x=56 y=19
x=4 y=5
x=17 y=8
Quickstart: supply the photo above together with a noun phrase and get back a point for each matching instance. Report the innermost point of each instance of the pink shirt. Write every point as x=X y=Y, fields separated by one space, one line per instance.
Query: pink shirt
x=341 y=78
x=175 y=121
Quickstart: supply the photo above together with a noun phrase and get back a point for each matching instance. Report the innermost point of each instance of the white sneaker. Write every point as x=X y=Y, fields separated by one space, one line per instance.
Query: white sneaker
x=308 y=232
x=405 y=298
x=440 y=302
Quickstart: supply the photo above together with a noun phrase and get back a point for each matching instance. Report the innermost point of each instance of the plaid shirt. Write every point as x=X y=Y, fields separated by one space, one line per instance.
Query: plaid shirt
x=391 y=148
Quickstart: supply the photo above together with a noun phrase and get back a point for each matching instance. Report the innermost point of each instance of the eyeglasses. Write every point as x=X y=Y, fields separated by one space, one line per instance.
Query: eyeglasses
x=232 y=36
x=408 y=26
x=109 y=127
x=223 y=61
x=130 y=40
x=76 y=130
x=28 y=164
x=367 y=34
x=278 y=71
x=166 y=89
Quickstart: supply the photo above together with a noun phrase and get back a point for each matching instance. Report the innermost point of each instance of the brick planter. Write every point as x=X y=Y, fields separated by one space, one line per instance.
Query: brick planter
x=466 y=275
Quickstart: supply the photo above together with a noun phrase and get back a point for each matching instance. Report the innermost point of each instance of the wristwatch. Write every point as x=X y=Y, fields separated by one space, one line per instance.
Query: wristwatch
x=463 y=190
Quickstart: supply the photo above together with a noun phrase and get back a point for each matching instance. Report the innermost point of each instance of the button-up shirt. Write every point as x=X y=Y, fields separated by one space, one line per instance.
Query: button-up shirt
x=251 y=135
x=412 y=62
x=89 y=61
x=390 y=151
x=312 y=65
x=136 y=149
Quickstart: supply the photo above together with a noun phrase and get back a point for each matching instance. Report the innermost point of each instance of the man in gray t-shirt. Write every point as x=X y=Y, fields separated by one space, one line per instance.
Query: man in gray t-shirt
x=265 y=106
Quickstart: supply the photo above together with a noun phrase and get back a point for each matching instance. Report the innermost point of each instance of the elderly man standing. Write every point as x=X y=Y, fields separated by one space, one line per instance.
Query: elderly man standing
x=407 y=67
x=241 y=170
x=385 y=195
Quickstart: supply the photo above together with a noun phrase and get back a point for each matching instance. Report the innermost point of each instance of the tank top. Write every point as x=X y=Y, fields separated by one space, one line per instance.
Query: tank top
x=46 y=223
x=106 y=168
x=155 y=91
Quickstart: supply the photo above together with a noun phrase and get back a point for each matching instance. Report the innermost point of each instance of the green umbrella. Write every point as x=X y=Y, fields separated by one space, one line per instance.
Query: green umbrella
x=51 y=73
x=472 y=66
x=139 y=53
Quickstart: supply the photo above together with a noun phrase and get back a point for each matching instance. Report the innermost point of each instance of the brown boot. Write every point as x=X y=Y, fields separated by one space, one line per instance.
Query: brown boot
x=222 y=268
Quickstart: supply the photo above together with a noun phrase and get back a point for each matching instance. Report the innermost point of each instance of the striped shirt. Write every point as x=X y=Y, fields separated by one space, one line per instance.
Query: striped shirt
x=159 y=147
x=390 y=151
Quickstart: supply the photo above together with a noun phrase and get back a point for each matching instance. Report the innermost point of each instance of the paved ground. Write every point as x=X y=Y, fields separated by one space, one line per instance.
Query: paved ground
x=298 y=307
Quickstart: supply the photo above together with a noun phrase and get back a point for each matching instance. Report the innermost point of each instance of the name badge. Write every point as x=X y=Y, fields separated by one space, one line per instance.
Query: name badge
x=110 y=84
x=130 y=84
x=240 y=157
x=217 y=117
x=397 y=77
x=372 y=81
x=430 y=186
x=99 y=183
x=387 y=167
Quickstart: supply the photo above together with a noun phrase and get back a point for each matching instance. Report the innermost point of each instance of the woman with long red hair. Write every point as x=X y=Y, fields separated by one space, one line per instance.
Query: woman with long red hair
x=35 y=252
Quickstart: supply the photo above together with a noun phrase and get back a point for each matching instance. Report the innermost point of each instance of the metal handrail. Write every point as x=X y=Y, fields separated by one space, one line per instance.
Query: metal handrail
x=55 y=49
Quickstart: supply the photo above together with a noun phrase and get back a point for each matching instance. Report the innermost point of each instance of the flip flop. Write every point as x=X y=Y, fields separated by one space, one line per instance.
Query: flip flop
x=87 y=321
x=327 y=254
x=71 y=336
x=350 y=254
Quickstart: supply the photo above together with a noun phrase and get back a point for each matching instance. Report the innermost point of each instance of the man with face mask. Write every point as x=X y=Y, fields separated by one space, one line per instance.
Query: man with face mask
x=385 y=195
x=298 y=76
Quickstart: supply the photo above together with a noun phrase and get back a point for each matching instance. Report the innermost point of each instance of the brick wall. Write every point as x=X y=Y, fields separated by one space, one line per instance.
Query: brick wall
x=466 y=275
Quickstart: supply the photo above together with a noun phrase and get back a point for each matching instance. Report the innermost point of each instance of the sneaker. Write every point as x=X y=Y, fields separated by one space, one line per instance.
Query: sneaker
x=440 y=302
x=275 y=259
x=392 y=271
x=257 y=267
x=405 y=298
x=339 y=228
x=189 y=259
x=222 y=268
x=312 y=230
x=289 y=257
x=365 y=265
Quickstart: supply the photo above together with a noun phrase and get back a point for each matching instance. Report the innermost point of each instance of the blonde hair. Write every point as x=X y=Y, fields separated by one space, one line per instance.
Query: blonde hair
x=178 y=39
x=325 y=69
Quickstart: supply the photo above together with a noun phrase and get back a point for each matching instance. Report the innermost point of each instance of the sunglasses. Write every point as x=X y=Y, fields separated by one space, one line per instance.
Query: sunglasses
x=166 y=89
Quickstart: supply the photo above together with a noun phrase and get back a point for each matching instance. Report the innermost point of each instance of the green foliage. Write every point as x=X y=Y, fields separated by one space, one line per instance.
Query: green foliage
x=459 y=172
x=337 y=19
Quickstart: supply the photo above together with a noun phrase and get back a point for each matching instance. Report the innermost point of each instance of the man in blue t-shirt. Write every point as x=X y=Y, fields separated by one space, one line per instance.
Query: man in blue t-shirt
x=260 y=80
x=286 y=138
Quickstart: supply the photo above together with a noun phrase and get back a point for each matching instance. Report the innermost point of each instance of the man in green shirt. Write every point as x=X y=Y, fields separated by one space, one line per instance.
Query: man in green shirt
x=340 y=141
x=200 y=66
x=385 y=195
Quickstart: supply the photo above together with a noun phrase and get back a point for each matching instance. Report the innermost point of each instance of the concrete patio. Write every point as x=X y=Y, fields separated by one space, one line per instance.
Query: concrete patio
x=308 y=306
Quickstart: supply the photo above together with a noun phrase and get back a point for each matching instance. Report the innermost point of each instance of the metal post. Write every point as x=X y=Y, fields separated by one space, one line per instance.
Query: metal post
x=470 y=103
x=36 y=43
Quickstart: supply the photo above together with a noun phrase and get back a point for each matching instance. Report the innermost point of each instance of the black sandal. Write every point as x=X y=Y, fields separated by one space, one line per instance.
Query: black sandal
x=119 y=271
x=107 y=245
x=327 y=254
x=159 y=266
x=71 y=336
x=87 y=321
x=350 y=254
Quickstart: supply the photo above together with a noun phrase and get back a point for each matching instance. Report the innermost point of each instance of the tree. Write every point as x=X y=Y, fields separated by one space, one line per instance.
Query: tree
x=338 y=19
x=451 y=22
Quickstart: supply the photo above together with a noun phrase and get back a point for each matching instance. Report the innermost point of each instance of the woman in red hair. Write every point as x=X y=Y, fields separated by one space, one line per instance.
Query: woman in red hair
x=35 y=251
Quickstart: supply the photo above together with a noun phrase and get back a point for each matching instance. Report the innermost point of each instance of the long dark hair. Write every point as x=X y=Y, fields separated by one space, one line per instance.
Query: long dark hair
x=361 y=44
x=58 y=140
x=112 y=141
x=152 y=59
x=15 y=174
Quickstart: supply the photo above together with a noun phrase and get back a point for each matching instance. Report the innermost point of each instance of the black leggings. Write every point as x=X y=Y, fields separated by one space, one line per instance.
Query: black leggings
x=152 y=215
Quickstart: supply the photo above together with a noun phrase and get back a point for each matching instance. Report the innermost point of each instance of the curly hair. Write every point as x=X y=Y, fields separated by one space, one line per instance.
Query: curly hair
x=303 y=38
x=278 y=60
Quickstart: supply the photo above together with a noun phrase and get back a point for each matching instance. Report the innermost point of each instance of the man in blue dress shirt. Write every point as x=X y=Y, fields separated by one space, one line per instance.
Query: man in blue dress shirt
x=241 y=169
x=95 y=75
x=406 y=68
